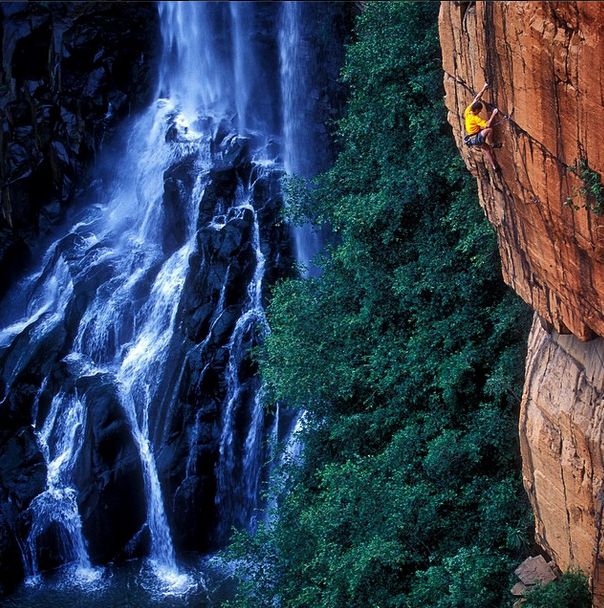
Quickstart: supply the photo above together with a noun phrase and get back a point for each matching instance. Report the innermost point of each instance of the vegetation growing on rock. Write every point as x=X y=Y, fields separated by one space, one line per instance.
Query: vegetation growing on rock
x=569 y=591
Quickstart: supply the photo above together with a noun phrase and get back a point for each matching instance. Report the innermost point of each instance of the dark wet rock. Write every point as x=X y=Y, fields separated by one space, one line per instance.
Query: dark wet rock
x=22 y=477
x=18 y=113
x=35 y=358
x=14 y=253
x=31 y=50
x=50 y=549
x=11 y=567
x=70 y=72
x=138 y=546
x=178 y=182
x=108 y=473
x=22 y=467
x=18 y=162
x=231 y=151
x=193 y=501
x=214 y=296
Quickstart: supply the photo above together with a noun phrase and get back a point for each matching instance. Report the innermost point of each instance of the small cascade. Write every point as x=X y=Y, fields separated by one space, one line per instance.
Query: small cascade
x=60 y=439
x=36 y=404
x=233 y=486
x=253 y=457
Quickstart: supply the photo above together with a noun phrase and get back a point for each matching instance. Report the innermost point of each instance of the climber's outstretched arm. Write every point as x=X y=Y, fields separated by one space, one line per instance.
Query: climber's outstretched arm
x=480 y=93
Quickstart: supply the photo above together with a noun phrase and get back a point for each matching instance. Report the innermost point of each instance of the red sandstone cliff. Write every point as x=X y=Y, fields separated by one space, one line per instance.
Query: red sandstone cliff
x=545 y=64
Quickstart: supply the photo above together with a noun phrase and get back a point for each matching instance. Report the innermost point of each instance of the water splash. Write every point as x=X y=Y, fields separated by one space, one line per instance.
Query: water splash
x=60 y=439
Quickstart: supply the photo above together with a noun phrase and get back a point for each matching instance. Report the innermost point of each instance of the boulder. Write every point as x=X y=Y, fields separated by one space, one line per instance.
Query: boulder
x=535 y=570
x=108 y=473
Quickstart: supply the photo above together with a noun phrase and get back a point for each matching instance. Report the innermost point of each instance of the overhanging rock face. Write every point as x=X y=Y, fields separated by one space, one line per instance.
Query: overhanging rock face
x=544 y=63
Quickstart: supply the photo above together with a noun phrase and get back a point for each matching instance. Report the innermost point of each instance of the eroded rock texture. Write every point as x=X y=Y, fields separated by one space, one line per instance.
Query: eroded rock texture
x=544 y=62
x=561 y=435
x=68 y=72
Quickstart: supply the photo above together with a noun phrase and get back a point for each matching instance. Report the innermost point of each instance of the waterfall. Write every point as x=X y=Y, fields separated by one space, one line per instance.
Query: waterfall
x=300 y=145
x=129 y=344
x=125 y=331
x=60 y=439
x=253 y=315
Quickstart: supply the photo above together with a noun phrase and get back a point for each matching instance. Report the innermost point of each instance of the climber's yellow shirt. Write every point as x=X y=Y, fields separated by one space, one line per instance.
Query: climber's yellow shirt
x=473 y=122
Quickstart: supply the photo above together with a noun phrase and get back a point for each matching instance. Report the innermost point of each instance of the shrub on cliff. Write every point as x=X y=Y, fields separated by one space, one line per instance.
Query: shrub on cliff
x=407 y=352
x=569 y=591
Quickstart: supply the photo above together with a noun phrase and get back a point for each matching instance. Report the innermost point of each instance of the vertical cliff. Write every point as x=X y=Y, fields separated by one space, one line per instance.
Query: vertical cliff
x=543 y=61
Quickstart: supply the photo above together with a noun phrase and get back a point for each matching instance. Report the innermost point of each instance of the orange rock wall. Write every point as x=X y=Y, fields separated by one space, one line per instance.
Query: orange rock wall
x=545 y=64
x=561 y=427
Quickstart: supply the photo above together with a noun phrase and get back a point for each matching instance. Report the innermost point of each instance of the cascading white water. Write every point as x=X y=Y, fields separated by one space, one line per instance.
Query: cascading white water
x=252 y=316
x=195 y=71
x=60 y=439
x=116 y=335
x=299 y=147
x=121 y=333
x=114 y=289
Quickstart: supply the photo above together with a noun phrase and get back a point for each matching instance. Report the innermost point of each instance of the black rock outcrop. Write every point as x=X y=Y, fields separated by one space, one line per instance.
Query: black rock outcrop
x=69 y=72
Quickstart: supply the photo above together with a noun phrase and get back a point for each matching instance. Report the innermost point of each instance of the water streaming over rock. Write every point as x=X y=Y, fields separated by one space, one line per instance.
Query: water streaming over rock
x=60 y=439
x=129 y=344
x=306 y=149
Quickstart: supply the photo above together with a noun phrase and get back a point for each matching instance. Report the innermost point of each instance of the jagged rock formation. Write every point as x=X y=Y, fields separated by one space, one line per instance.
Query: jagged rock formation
x=149 y=304
x=69 y=71
x=543 y=61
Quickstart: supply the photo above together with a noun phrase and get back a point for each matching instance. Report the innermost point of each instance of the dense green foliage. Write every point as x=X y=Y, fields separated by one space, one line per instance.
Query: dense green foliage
x=591 y=189
x=408 y=355
x=569 y=591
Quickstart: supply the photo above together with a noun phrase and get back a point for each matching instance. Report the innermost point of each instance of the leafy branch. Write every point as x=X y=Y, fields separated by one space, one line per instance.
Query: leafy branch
x=591 y=189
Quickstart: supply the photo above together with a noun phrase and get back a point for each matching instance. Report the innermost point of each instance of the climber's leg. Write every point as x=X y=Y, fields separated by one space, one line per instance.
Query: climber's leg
x=487 y=135
x=489 y=154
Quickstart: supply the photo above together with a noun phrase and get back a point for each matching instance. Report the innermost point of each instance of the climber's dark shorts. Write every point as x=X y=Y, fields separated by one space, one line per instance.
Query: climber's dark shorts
x=474 y=140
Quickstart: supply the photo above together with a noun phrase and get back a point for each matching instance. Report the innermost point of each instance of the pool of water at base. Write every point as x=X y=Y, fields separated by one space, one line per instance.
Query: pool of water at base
x=199 y=583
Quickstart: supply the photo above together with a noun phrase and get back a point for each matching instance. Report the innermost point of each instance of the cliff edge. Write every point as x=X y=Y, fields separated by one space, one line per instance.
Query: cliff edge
x=543 y=61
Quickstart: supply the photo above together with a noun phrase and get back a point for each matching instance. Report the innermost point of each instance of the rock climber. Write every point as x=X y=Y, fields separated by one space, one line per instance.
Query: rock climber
x=479 y=131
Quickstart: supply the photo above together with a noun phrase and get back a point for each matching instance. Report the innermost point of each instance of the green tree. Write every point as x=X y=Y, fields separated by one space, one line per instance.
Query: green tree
x=407 y=352
x=569 y=591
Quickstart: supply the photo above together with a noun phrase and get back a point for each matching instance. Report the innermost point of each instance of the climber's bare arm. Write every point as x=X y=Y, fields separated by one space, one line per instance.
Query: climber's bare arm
x=492 y=118
x=480 y=93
